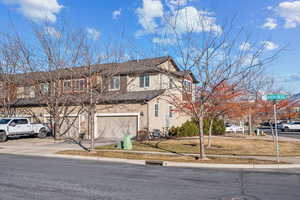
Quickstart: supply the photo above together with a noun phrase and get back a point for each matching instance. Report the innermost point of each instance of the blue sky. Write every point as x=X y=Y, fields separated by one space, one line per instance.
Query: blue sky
x=277 y=20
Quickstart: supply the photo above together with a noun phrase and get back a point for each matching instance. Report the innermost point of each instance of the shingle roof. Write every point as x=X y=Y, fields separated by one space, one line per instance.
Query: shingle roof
x=148 y=65
x=110 y=98
x=132 y=66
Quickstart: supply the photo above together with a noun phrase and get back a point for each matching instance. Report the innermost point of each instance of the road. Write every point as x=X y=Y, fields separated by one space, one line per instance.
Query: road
x=284 y=134
x=23 y=177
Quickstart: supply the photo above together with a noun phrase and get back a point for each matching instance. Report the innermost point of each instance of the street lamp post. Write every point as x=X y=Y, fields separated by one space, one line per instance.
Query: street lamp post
x=276 y=132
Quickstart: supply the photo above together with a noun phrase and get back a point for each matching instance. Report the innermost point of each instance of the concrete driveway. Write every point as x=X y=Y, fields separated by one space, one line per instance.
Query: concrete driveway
x=37 y=146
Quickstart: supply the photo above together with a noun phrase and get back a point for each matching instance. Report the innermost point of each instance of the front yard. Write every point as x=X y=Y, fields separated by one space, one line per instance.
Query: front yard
x=173 y=158
x=251 y=146
x=228 y=149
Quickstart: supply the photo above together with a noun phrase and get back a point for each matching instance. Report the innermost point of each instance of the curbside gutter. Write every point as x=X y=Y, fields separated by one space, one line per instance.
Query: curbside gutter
x=173 y=164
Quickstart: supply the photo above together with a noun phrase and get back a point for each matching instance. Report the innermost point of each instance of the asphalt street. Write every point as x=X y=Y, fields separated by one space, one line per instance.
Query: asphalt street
x=23 y=177
x=295 y=134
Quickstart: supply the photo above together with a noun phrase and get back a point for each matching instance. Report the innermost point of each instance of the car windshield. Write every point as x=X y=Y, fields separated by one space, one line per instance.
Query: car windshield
x=4 y=121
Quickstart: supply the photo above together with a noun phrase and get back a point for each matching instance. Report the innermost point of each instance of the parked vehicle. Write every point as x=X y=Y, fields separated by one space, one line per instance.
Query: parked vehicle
x=268 y=125
x=233 y=128
x=292 y=126
x=21 y=127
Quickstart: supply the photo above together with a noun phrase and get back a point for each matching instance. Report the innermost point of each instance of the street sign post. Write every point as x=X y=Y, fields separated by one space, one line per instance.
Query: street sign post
x=275 y=98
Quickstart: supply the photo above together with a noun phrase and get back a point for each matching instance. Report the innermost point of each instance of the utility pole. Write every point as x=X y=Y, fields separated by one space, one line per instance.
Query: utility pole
x=275 y=98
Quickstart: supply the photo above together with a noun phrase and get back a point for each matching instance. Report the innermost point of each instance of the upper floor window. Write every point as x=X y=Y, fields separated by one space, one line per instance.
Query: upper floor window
x=79 y=85
x=45 y=88
x=187 y=85
x=156 y=110
x=171 y=83
x=2 y=91
x=115 y=83
x=144 y=81
x=67 y=86
x=26 y=91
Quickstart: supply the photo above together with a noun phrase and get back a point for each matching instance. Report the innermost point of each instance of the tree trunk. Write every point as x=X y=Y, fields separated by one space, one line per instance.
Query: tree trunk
x=91 y=125
x=210 y=133
x=56 y=129
x=201 y=136
x=250 y=124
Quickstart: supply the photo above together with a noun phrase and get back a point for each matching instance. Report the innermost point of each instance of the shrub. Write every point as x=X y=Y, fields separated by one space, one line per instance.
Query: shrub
x=219 y=127
x=190 y=128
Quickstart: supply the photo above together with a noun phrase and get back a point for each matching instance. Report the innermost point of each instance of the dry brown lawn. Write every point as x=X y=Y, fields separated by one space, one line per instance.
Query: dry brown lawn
x=221 y=146
x=156 y=157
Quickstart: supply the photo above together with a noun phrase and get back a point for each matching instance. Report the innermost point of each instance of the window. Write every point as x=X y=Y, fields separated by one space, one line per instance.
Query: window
x=144 y=81
x=26 y=91
x=44 y=88
x=171 y=83
x=2 y=91
x=187 y=85
x=79 y=85
x=170 y=111
x=19 y=121
x=115 y=83
x=67 y=86
x=156 y=110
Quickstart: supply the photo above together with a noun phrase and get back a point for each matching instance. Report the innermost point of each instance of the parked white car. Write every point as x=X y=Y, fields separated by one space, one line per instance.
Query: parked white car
x=19 y=127
x=233 y=128
x=292 y=126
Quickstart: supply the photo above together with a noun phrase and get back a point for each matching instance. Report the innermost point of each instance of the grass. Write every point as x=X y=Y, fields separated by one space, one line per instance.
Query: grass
x=221 y=146
x=174 y=158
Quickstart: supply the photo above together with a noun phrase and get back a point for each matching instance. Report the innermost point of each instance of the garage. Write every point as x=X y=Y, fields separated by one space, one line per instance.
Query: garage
x=114 y=126
x=70 y=126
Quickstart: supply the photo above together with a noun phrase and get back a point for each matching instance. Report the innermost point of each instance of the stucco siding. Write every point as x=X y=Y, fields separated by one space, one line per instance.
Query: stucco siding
x=163 y=120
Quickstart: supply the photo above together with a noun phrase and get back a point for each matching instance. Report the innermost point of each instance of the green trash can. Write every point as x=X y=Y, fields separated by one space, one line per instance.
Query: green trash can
x=120 y=145
x=127 y=144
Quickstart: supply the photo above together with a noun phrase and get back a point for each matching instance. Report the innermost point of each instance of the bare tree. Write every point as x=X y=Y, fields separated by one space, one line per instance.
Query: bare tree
x=215 y=55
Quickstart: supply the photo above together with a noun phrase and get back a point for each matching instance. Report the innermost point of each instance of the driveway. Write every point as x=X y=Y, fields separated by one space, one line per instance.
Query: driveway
x=37 y=146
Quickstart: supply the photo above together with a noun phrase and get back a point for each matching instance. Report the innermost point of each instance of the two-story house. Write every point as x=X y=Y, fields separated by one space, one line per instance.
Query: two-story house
x=128 y=96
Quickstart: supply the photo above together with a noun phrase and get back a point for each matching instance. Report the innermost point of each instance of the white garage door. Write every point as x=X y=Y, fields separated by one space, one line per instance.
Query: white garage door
x=114 y=127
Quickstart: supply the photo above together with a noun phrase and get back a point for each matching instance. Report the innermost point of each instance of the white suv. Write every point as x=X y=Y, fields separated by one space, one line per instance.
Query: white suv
x=292 y=126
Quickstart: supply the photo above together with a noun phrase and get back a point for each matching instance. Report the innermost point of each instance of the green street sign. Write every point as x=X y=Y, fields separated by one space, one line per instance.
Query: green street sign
x=276 y=97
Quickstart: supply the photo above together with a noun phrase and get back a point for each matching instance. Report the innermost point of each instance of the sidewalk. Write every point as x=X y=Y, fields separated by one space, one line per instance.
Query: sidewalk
x=36 y=146
x=50 y=148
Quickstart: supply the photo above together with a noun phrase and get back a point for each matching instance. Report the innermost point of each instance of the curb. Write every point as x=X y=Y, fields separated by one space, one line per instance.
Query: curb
x=171 y=164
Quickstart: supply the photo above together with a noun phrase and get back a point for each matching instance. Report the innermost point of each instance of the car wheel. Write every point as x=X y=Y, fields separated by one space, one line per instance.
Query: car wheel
x=286 y=129
x=42 y=134
x=3 y=136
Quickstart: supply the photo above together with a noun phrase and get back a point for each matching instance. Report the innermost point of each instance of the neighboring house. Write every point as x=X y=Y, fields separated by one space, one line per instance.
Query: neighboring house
x=129 y=96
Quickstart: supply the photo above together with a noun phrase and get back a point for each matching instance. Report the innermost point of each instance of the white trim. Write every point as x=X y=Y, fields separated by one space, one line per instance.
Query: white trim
x=116 y=115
